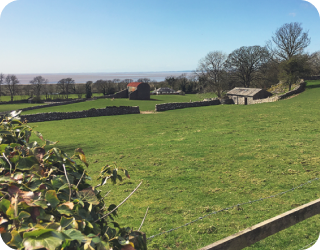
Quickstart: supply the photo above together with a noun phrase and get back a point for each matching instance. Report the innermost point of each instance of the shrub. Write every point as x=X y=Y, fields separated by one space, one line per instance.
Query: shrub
x=46 y=202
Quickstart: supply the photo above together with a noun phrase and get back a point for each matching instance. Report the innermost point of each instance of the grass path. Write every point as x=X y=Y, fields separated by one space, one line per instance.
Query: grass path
x=198 y=160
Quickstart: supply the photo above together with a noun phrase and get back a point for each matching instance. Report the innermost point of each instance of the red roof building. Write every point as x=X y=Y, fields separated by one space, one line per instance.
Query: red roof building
x=138 y=91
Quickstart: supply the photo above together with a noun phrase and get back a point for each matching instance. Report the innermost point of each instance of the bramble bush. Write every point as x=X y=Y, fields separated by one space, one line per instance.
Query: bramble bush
x=46 y=202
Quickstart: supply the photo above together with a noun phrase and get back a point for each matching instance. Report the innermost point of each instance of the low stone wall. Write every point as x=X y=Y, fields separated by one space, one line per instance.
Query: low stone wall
x=181 y=105
x=300 y=88
x=52 y=116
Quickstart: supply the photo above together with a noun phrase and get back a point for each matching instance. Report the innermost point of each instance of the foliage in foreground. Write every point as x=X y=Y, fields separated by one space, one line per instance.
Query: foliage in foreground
x=45 y=200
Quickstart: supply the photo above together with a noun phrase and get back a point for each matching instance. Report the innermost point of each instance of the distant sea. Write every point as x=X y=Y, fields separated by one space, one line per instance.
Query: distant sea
x=84 y=77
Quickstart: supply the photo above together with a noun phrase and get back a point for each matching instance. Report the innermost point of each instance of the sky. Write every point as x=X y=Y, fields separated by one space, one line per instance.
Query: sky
x=82 y=36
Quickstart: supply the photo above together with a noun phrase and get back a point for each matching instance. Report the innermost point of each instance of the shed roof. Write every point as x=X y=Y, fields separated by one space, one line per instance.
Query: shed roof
x=244 y=91
x=133 y=84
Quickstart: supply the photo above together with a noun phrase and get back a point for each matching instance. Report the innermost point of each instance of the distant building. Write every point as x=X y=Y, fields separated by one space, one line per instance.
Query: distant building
x=164 y=91
x=247 y=95
x=138 y=91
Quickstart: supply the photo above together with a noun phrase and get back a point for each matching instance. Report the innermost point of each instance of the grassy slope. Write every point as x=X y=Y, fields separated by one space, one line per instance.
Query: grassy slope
x=197 y=160
x=143 y=104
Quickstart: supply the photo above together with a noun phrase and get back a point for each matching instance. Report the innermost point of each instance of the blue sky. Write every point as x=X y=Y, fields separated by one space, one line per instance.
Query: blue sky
x=80 y=36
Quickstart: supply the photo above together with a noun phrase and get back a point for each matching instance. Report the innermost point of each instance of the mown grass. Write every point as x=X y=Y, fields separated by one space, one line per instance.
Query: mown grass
x=198 y=160
x=144 y=105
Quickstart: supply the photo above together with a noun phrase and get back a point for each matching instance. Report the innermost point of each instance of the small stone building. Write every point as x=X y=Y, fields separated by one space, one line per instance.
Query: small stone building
x=138 y=91
x=246 y=96
x=164 y=91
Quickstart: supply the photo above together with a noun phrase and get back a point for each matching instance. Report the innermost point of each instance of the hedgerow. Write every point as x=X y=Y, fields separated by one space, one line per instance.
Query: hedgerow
x=46 y=201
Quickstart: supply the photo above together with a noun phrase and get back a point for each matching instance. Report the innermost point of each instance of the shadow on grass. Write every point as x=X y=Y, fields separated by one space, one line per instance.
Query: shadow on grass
x=313 y=86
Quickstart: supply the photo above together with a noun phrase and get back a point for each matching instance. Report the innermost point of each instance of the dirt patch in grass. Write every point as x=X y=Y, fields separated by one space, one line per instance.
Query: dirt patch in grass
x=148 y=112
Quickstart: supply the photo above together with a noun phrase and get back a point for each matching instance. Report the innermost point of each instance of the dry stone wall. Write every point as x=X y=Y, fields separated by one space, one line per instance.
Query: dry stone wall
x=300 y=88
x=52 y=116
x=181 y=105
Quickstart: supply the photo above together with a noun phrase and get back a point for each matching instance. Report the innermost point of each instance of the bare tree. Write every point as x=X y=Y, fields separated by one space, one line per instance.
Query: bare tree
x=290 y=40
x=315 y=62
x=211 y=69
x=38 y=84
x=2 y=78
x=146 y=80
x=80 y=90
x=127 y=81
x=65 y=86
x=294 y=69
x=11 y=83
x=105 y=86
x=246 y=62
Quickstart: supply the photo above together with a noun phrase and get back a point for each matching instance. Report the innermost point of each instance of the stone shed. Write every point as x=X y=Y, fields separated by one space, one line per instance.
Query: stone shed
x=246 y=96
x=138 y=91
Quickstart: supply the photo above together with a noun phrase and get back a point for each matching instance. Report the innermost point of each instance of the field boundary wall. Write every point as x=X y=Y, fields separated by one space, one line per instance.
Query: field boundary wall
x=300 y=88
x=108 y=111
x=181 y=105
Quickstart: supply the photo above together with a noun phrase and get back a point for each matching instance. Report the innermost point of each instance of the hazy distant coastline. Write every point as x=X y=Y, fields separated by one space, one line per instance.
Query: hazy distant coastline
x=84 y=77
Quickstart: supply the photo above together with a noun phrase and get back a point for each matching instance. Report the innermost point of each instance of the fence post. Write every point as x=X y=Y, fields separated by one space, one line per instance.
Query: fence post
x=266 y=228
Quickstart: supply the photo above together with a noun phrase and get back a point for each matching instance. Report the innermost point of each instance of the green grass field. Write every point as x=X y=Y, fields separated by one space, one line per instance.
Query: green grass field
x=197 y=160
x=144 y=105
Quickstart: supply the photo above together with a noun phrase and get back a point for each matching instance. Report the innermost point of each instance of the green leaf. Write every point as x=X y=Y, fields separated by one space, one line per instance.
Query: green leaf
x=10 y=212
x=96 y=240
x=51 y=197
x=54 y=225
x=4 y=163
x=36 y=232
x=50 y=241
x=89 y=196
x=56 y=182
x=64 y=186
x=25 y=163
x=16 y=240
x=41 y=203
x=35 y=185
x=23 y=215
x=44 y=216
x=63 y=209
x=74 y=234
x=4 y=205
x=64 y=222
x=89 y=224
x=111 y=232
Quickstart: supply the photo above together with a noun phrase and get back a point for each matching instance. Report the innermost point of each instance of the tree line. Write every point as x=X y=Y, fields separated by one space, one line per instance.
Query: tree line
x=281 y=59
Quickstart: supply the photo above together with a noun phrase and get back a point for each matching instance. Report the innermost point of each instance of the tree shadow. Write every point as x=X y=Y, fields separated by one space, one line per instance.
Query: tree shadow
x=313 y=86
